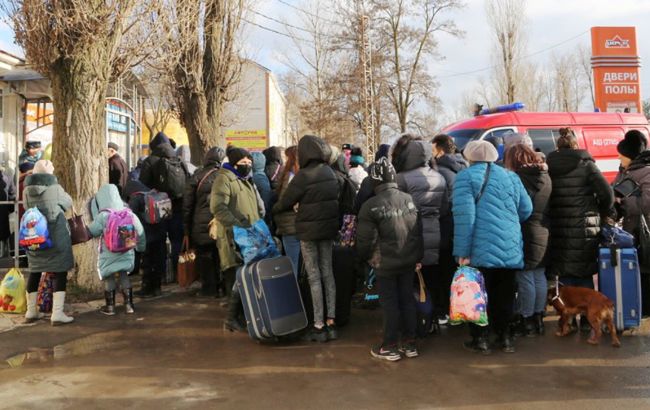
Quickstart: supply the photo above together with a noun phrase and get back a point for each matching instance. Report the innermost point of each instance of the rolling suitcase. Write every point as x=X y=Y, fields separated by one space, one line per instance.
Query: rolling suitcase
x=271 y=298
x=620 y=280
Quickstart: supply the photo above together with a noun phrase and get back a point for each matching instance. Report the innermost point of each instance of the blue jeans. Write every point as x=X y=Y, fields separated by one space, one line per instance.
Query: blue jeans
x=291 y=245
x=531 y=291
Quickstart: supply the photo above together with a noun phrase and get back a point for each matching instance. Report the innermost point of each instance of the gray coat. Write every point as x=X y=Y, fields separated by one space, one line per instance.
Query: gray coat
x=429 y=191
x=44 y=192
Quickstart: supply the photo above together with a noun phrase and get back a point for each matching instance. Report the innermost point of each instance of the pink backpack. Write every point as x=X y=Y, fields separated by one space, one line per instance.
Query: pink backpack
x=119 y=232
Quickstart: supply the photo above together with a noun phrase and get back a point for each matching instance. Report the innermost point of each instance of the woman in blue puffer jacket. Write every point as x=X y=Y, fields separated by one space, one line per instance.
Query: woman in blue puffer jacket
x=489 y=204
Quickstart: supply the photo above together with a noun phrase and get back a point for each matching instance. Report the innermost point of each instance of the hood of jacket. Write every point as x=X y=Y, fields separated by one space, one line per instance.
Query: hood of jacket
x=36 y=184
x=415 y=155
x=273 y=154
x=164 y=150
x=642 y=161
x=214 y=156
x=339 y=165
x=259 y=162
x=134 y=186
x=160 y=138
x=184 y=153
x=563 y=161
x=108 y=197
x=453 y=162
x=534 y=174
x=313 y=149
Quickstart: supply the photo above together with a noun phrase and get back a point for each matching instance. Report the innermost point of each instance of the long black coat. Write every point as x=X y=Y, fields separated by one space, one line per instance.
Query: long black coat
x=580 y=195
x=536 y=229
x=316 y=189
x=196 y=199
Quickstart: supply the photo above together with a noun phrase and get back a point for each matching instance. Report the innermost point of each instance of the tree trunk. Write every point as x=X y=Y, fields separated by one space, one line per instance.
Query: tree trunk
x=78 y=150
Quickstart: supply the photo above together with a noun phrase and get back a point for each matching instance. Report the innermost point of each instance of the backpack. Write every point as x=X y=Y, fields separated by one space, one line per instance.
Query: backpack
x=171 y=174
x=119 y=233
x=157 y=206
x=33 y=233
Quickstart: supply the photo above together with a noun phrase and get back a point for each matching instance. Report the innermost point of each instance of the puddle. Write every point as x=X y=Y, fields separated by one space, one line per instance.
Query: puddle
x=78 y=347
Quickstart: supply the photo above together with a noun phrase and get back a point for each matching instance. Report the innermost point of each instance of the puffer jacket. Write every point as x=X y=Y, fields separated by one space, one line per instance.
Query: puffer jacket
x=109 y=262
x=635 y=205
x=448 y=165
x=389 y=232
x=579 y=197
x=262 y=182
x=429 y=191
x=196 y=200
x=489 y=232
x=233 y=202
x=536 y=229
x=273 y=167
x=285 y=222
x=160 y=148
x=316 y=188
x=44 y=192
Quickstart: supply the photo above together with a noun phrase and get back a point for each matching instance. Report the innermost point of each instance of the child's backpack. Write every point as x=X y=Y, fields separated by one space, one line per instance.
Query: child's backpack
x=119 y=232
x=33 y=233
x=157 y=207
x=171 y=176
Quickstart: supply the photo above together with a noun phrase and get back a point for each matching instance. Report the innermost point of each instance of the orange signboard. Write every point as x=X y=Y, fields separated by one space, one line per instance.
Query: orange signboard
x=615 y=66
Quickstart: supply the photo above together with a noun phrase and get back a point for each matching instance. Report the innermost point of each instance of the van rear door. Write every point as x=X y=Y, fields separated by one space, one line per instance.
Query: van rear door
x=601 y=143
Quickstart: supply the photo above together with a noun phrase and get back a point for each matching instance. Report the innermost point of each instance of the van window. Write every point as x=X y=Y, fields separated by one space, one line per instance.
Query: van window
x=462 y=137
x=498 y=133
x=543 y=140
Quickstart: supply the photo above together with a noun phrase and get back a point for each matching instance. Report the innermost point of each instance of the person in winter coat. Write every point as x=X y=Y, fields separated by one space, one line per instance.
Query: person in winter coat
x=233 y=202
x=285 y=222
x=31 y=153
x=366 y=191
x=411 y=158
x=118 y=171
x=489 y=205
x=532 y=287
x=7 y=193
x=161 y=149
x=42 y=191
x=316 y=189
x=347 y=187
x=134 y=174
x=389 y=238
x=185 y=154
x=110 y=263
x=196 y=220
x=273 y=167
x=635 y=165
x=579 y=197
x=356 y=172
x=262 y=184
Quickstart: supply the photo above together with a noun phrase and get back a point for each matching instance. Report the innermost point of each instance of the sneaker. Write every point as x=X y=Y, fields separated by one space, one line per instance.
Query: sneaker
x=443 y=320
x=316 y=335
x=332 y=333
x=386 y=353
x=409 y=350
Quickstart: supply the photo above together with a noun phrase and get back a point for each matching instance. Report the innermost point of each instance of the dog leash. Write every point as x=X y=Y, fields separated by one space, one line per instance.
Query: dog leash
x=557 y=292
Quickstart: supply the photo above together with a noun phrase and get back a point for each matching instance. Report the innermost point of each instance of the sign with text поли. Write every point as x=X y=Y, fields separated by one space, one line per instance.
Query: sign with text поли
x=615 y=66
x=252 y=140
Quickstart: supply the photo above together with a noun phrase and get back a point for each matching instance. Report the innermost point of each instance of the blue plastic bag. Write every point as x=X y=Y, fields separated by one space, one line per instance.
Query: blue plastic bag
x=255 y=242
x=612 y=235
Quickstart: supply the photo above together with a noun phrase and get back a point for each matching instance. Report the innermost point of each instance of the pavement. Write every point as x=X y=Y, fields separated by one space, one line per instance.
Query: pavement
x=174 y=354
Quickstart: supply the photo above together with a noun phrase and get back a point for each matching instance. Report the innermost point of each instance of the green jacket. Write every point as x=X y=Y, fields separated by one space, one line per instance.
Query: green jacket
x=233 y=201
x=44 y=192
x=108 y=197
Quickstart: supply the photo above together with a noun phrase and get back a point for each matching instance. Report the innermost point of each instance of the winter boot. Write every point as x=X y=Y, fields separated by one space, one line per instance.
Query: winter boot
x=32 y=314
x=109 y=308
x=506 y=343
x=539 y=323
x=145 y=290
x=58 y=317
x=530 y=326
x=128 y=300
x=234 y=305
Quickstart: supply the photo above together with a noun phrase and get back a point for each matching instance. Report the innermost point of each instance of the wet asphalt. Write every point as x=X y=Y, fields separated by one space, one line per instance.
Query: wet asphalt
x=173 y=354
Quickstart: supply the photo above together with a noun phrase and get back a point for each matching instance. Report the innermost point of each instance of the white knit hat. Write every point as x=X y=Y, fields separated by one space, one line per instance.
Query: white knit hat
x=480 y=151
x=44 y=166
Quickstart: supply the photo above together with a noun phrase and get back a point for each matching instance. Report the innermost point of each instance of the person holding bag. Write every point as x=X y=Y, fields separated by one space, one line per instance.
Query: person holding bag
x=489 y=205
x=42 y=191
x=632 y=197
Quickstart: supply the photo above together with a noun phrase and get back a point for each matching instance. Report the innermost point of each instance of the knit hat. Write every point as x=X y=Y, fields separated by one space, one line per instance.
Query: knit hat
x=356 y=160
x=514 y=138
x=113 y=146
x=382 y=172
x=382 y=151
x=26 y=166
x=44 y=166
x=235 y=155
x=32 y=144
x=480 y=151
x=633 y=144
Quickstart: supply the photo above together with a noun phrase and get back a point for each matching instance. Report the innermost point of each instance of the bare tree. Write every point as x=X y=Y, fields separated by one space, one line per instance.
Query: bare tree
x=507 y=20
x=569 y=82
x=206 y=65
x=80 y=45
x=584 y=60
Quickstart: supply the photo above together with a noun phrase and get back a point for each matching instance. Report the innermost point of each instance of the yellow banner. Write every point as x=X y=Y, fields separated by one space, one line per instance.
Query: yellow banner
x=249 y=139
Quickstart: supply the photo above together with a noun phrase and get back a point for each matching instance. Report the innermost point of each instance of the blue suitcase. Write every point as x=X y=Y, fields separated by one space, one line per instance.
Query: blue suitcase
x=271 y=298
x=621 y=282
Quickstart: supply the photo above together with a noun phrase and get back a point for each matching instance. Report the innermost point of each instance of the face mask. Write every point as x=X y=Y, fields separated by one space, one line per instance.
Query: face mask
x=244 y=169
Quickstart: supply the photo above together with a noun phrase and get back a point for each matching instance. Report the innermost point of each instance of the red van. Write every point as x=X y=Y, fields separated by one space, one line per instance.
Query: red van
x=597 y=132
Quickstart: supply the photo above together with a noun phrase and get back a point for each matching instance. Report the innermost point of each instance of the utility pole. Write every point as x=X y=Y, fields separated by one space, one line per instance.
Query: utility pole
x=368 y=89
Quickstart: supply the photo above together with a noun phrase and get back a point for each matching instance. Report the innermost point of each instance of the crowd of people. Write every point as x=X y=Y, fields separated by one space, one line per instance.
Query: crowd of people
x=499 y=206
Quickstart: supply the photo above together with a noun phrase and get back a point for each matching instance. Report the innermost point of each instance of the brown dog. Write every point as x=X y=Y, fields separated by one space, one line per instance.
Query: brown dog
x=597 y=307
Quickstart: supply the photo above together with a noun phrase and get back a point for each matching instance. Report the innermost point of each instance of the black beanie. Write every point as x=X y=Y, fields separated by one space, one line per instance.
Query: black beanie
x=382 y=172
x=633 y=144
x=235 y=155
x=32 y=144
